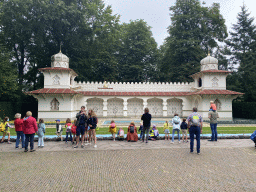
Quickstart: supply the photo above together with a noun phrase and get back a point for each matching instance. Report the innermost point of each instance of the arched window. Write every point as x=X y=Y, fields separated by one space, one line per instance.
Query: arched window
x=218 y=104
x=55 y=104
x=199 y=82
x=215 y=82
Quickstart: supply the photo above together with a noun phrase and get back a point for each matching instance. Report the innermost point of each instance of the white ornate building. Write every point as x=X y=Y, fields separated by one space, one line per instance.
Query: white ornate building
x=62 y=97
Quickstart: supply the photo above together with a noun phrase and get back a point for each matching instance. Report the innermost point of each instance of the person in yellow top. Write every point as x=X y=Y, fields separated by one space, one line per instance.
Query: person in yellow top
x=167 y=131
x=112 y=129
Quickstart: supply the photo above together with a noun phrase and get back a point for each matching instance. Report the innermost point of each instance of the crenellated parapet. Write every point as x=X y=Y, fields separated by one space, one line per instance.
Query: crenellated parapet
x=134 y=86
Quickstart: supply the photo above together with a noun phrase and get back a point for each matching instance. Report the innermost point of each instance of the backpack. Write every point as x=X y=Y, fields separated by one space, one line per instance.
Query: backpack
x=2 y=127
x=121 y=133
x=68 y=128
x=176 y=120
x=132 y=129
x=253 y=136
x=195 y=121
x=73 y=129
x=112 y=125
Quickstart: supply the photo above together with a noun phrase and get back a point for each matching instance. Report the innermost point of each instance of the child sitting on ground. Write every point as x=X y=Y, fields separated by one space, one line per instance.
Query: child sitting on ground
x=73 y=131
x=112 y=129
x=120 y=134
x=253 y=138
x=141 y=130
x=58 y=129
x=212 y=106
x=154 y=133
x=166 y=131
x=68 y=126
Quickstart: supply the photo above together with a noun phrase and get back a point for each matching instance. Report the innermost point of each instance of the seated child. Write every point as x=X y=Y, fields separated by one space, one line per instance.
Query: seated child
x=212 y=106
x=154 y=133
x=112 y=129
x=120 y=134
x=73 y=131
x=253 y=137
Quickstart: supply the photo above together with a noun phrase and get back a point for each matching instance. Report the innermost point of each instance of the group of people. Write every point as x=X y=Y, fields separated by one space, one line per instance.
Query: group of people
x=83 y=129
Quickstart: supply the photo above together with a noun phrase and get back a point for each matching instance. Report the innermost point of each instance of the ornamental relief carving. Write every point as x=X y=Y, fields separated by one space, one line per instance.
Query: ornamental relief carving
x=56 y=80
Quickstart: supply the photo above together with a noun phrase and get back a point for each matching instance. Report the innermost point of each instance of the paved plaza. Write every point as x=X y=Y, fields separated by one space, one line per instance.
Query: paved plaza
x=226 y=165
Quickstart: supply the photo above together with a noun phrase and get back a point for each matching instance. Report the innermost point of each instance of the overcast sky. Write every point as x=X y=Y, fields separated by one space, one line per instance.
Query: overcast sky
x=157 y=15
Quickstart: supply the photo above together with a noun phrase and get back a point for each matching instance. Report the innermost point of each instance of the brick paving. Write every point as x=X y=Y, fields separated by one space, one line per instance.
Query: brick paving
x=226 y=165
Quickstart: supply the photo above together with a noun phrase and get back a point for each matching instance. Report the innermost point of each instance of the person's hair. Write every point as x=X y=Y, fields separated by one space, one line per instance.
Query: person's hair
x=146 y=110
x=5 y=119
x=29 y=113
x=132 y=123
x=176 y=114
x=83 y=107
x=17 y=115
x=112 y=121
x=194 y=109
x=41 y=121
x=184 y=120
x=75 y=121
x=211 y=102
x=68 y=120
x=93 y=114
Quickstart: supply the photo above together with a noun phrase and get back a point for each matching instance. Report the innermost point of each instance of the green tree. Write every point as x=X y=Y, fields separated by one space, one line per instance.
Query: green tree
x=138 y=53
x=194 y=30
x=8 y=77
x=241 y=46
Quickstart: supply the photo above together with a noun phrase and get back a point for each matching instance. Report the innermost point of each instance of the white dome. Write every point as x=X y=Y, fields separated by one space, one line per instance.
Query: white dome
x=60 y=60
x=209 y=63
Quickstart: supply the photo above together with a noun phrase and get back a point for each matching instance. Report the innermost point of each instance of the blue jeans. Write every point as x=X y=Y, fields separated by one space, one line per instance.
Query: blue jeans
x=21 y=135
x=67 y=136
x=194 y=131
x=214 y=132
x=173 y=132
x=29 y=138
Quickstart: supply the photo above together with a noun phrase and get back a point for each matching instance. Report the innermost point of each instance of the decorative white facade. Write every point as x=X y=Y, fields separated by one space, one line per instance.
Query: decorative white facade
x=62 y=97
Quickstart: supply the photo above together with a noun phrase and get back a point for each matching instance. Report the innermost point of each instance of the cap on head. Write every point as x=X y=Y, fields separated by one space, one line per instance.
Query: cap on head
x=57 y=120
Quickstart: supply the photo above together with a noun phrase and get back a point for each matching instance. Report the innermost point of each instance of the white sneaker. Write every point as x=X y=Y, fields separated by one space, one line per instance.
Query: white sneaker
x=172 y=142
x=95 y=146
x=86 y=144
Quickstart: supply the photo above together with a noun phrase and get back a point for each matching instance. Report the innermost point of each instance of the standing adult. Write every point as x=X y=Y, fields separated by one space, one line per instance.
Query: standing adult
x=176 y=122
x=213 y=116
x=29 y=129
x=18 y=123
x=81 y=124
x=92 y=123
x=146 y=118
x=195 y=122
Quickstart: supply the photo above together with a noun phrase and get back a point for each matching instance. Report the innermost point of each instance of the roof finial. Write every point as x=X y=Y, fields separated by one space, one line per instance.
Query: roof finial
x=60 y=46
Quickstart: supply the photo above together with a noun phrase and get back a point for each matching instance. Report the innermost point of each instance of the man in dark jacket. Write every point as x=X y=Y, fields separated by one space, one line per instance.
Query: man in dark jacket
x=81 y=125
x=146 y=118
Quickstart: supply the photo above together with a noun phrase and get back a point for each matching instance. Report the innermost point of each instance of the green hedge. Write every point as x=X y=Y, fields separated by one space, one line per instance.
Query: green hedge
x=246 y=110
x=9 y=109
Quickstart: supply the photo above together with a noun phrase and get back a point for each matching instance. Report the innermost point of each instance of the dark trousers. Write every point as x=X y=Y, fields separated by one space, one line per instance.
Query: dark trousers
x=21 y=135
x=145 y=131
x=214 y=132
x=29 y=138
x=255 y=142
x=194 y=131
x=67 y=136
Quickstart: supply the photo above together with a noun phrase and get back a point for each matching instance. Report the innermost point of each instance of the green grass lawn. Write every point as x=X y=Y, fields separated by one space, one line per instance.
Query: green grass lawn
x=206 y=130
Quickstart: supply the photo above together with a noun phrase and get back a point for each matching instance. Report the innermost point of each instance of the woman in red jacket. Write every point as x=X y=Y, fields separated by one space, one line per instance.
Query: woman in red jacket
x=19 y=130
x=29 y=129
